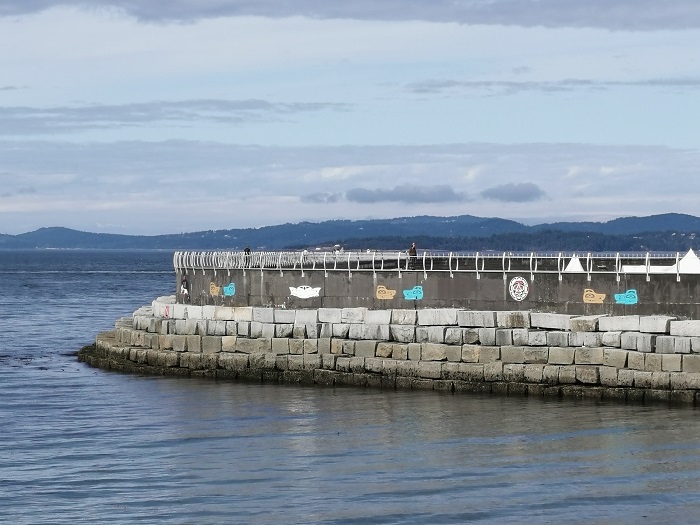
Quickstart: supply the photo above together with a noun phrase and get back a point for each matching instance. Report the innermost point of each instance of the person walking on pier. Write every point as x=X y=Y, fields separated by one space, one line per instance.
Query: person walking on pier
x=412 y=256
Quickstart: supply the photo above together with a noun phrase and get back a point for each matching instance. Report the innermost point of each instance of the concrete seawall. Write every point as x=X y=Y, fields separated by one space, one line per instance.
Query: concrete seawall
x=635 y=358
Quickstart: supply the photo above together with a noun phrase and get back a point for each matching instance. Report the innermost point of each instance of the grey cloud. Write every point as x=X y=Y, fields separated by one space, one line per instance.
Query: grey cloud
x=557 y=86
x=521 y=192
x=406 y=193
x=610 y=14
x=24 y=190
x=30 y=120
x=322 y=198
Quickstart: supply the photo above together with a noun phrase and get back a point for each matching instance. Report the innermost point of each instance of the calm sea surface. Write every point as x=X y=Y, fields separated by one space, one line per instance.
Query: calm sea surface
x=81 y=445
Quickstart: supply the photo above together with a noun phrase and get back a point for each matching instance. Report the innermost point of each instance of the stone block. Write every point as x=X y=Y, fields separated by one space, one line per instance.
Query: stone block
x=550 y=321
x=685 y=381
x=380 y=317
x=512 y=354
x=193 y=312
x=625 y=377
x=180 y=343
x=550 y=374
x=453 y=353
x=534 y=373
x=326 y=330
x=312 y=361
x=165 y=342
x=536 y=355
x=324 y=345
x=224 y=313
x=661 y=380
x=310 y=346
x=231 y=328
x=671 y=363
x=588 y=356
x=284 y=316
x=365 y=348
x=665 y=344
x=513 y=319
x=489 y=354
x=504 y=337
x=422 y=334
x=619 y=323
x=471 y=336
x=470 y=353
x=646 y=342
x=477 y=319
x=298 y=331
x=280 y=345
x=487 y=336
x=588 y=375
x=328 y=361
x=586 y=323
x=255 y=329
x=374 y=364
x=685 y=328
x=593 y=339
x=429 y=370
x=493 y=371
x=404 y=317
x=357 y=365
x=342 y=364
x=243 y=328
x=406 y=368
x=211 y=344
x=635 y=360
x=655 y=324
x=402 y=333
x=434 y=352
x=535 y=338
x=613 y=339
x=306 y=317
x=341 y=331
x=683 y=345
x=437 y=316
x=414 y=351
x=268 y=330
x=513 y=372
x=208 y=311
x=250 y=346
x=337 y=346
x=379 y=332
x=400 y=352
x=453 y=335
x=296 y=346
x=560 y=339
x=567 y=375
x=614 y=357
x=330 y=315
x=384 y=350
x=352 y=315
x=691 y=363
x=628 y=340
x=561 y=355
x=652 y=362
x=295 y=362
x=194 y=343
x=284 y=330
x=263 y=315
x=607 y=375
x=243 y=314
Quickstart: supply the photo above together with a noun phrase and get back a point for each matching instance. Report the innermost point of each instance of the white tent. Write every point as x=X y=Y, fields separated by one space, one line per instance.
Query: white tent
x=689 y=263
x=574 y=266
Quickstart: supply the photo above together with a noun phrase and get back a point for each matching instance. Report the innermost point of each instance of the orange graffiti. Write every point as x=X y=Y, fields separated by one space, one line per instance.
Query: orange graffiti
x=214 y=289
x=385 y=293
x=592 y=297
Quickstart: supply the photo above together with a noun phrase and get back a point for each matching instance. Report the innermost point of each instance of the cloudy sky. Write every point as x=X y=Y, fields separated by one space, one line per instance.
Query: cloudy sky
x=146 y=117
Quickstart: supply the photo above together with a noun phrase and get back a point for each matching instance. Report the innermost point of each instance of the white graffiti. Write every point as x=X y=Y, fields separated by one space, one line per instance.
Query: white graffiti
x=518 y=288
x=304 y=292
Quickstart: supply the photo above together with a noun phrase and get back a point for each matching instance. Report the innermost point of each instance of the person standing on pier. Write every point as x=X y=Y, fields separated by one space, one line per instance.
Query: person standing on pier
x=412 y=256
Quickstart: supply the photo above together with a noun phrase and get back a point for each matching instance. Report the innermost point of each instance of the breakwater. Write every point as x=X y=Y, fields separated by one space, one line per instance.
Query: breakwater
x=630 y=357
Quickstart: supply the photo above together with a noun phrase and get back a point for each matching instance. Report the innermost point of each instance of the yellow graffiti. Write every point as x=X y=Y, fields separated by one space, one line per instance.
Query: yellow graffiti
x=592 y=297
x=214 y=290
x=385 y=293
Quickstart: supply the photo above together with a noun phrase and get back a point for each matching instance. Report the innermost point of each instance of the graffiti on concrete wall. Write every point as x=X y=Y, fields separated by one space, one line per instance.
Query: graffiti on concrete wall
x=384 y=293
x=304 y=291
x=229 y=290
x=518 y=288
x=214 y=289
x=415 y=293
x=590 y=296
x=628 y=297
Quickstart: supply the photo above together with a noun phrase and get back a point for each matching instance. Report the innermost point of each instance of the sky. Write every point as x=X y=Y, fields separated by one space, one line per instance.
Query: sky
x=148 y=117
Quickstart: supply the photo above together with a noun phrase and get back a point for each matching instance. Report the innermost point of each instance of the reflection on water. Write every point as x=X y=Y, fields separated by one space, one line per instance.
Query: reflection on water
x=81 y=445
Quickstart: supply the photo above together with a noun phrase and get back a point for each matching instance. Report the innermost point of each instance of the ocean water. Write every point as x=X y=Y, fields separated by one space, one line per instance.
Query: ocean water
x=82 y=445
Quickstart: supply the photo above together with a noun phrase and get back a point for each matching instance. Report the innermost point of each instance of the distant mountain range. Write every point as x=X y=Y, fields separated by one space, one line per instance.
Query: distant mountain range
x=672 y=232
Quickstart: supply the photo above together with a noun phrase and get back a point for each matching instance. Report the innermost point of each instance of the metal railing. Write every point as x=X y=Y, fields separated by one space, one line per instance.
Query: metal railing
x=589 y=263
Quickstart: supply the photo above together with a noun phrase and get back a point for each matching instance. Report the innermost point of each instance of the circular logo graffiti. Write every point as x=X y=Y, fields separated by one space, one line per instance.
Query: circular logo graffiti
x=518 y=288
